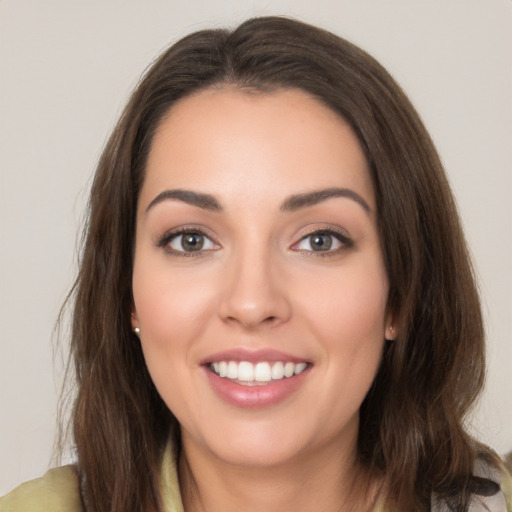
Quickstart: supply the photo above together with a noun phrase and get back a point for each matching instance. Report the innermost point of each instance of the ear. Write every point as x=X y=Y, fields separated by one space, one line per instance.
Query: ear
x=134 y=319
x=390 y=333
x=391 y=328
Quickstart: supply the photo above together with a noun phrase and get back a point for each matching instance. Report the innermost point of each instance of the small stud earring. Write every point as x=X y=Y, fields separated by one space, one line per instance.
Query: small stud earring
x=391 y=330
x=136 y=330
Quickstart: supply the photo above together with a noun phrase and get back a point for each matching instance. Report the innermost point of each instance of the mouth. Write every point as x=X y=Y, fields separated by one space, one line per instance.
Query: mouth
x=255 y=379
x=261 y=373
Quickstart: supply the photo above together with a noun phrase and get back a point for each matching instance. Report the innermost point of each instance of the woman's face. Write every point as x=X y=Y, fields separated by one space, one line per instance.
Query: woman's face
x=259 y=285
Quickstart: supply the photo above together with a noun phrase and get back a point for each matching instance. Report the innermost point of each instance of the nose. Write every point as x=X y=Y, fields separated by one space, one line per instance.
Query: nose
x=254 y=291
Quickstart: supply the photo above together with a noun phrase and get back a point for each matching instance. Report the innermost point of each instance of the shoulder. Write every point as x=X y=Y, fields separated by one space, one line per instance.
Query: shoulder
x=487 y=499
x=506 y=487
x=502 y=500
x=56 y=491
x=497 y=502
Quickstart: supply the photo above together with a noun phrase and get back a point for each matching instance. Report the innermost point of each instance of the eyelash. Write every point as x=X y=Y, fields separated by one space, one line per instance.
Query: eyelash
x=345 y=242
x=168 y=237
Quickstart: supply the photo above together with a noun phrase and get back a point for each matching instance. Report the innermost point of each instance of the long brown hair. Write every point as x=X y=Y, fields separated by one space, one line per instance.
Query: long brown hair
x=412 y=421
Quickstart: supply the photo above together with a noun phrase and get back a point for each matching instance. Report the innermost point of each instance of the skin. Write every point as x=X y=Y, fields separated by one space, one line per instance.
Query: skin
x=257 y=284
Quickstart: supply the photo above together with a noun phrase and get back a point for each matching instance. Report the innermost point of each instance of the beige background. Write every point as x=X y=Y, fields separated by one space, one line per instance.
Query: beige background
x=66 y=68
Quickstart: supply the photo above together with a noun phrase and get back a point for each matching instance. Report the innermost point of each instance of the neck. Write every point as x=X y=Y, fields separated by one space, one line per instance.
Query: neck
x=321 y=481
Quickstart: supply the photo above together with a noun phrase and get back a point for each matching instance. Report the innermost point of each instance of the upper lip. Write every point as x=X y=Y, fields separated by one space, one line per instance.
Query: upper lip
x=252 y=356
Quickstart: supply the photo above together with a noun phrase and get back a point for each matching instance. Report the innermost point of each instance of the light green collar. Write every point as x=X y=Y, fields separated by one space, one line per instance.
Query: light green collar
x=170 y=488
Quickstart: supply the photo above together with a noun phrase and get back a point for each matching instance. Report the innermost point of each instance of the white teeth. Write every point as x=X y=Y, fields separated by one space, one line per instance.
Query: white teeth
x=245 y=371
x=289 y=369
x=278 y=371
x=261 y=372
x=232 y=370
x=299 y=368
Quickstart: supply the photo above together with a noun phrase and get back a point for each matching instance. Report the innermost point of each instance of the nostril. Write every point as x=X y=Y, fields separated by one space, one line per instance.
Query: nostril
x=272 y=320
x=251 y=322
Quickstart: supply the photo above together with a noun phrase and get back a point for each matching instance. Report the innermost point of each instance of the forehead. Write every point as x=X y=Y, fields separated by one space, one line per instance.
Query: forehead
x=272 y=144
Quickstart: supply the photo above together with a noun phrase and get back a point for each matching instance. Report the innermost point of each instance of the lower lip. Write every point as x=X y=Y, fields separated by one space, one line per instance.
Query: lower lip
x=258 y=395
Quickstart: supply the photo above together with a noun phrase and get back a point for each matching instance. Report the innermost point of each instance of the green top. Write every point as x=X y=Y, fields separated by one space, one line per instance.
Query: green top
x=57 y=491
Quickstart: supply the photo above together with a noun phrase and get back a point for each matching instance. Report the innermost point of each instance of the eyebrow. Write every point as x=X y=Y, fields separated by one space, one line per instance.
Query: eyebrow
x=299 y=201
x=291 y=204
x=204 y=201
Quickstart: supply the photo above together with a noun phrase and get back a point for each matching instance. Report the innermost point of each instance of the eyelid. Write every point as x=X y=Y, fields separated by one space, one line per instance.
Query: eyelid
x=338 y=233
x=164 y=240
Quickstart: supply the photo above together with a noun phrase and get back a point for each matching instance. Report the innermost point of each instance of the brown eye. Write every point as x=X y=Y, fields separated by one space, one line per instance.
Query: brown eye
x=320 y=242
x=323 y=242
x=190 y=241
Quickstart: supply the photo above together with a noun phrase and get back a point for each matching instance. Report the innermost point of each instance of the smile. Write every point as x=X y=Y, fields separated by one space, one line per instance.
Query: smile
x=249 y=374
x=255 y=379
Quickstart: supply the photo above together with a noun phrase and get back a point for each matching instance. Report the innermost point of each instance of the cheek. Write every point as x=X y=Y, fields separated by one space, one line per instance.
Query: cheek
x=169 y=302
x=171 y=317
x=172 y=310
x=347 y=313
x=349 y=306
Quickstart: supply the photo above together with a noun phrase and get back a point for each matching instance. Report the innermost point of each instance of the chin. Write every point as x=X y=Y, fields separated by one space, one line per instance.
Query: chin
x=258 y=444
x=256 y=455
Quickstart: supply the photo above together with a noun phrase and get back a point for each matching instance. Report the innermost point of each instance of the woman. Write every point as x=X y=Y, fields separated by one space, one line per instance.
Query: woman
x=275 y=308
